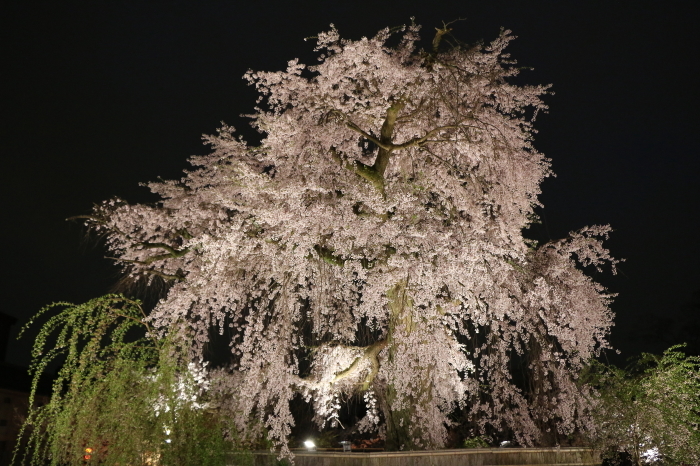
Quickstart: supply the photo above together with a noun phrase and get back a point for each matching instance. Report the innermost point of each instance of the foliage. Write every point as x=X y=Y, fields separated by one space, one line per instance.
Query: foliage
x=327 y=439
x=372 y=246
x=651 y=409
x=120 y=396
x=475 y=442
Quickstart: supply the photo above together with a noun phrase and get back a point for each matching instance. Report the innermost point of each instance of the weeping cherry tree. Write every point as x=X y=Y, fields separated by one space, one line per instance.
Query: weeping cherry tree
x=372 y=245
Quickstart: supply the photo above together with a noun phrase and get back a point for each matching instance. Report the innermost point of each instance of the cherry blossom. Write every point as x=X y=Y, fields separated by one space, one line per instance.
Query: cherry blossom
x=372 y=245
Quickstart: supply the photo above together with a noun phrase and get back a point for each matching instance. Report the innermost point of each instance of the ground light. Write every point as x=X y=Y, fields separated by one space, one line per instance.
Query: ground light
x=311 y=446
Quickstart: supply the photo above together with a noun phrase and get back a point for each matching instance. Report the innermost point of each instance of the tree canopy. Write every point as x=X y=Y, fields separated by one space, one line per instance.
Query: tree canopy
x=372 y=244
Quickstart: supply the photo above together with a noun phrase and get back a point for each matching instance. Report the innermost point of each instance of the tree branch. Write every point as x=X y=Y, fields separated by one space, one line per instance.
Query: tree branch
x=328 y=256
x=417 y=141
x=165 y=276
x=360 y=169
x=371 y=352
x=148 y=261
x=375 y=173
x=386 y=146
x=172 y=251
x=353 y=126
x=94 y=218
x=430 y=59
x=368 y=136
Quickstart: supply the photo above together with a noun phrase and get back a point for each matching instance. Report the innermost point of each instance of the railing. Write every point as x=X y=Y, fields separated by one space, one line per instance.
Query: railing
x=464 y=457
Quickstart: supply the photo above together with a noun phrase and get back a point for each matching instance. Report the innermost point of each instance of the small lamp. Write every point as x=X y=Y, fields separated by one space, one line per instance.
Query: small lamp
x=311 y=446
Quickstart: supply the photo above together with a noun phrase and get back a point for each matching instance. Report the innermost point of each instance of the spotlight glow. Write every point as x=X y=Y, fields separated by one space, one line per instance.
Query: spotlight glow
x=309 y=445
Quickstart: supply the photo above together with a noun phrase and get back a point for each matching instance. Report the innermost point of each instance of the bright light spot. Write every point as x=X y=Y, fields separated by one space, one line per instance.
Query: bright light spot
x=309 y=445
x=651 y=456
x=167 y=440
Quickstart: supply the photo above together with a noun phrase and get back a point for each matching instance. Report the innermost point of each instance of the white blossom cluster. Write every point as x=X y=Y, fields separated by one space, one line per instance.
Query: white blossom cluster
x=651 y=456
x=388 y=197
x=371 y=420
x=189 y=389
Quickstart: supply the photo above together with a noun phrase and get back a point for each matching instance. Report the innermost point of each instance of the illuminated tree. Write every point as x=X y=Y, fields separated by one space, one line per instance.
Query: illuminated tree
x=368 y=241
x=651 y=410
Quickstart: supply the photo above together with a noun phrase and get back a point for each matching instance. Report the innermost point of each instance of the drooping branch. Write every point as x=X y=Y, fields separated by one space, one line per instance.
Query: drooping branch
x=420 y=140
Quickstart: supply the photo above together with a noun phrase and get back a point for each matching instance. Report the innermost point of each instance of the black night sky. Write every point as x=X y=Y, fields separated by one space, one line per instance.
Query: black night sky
x=100 y=96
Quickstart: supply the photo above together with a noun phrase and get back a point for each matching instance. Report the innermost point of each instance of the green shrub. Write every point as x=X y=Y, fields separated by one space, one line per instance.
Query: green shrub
x=475 y=442
x=650 y=410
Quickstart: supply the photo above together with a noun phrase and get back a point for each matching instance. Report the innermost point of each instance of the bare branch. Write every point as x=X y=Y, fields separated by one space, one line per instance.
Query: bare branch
x=94 y=218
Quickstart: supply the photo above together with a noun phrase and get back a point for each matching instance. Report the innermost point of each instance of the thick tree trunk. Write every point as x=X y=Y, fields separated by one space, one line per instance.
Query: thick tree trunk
x=399 y=435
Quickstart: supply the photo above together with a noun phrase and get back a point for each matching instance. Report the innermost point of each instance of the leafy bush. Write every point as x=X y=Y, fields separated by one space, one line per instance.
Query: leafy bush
x=476 y=442
x=650 y=410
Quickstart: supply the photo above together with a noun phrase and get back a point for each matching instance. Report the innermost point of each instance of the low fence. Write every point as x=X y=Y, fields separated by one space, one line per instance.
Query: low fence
x=466 y=457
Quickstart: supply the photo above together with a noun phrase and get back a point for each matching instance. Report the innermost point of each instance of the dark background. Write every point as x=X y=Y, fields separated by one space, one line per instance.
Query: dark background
x=99 y=97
